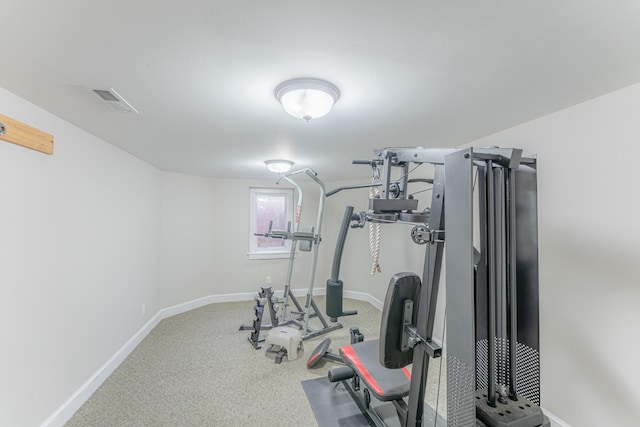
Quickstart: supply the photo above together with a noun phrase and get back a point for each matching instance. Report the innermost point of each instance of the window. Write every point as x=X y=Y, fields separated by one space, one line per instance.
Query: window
x=269 y=205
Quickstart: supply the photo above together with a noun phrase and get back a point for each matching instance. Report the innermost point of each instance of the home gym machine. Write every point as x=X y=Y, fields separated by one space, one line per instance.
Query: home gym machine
x=487 y=199
x=309 y=238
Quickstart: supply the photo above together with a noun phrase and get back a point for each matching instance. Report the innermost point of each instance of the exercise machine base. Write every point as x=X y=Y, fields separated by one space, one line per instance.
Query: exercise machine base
x=509 y=413
x=333 y=406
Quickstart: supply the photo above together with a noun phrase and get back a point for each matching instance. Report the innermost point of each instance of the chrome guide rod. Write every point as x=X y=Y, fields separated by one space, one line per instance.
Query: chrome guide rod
x=511 y=283
x=501 y=275
x=491 y=303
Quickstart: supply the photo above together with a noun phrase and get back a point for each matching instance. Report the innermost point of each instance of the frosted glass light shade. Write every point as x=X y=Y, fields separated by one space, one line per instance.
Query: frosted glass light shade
x=279 y=166
x=307 y=98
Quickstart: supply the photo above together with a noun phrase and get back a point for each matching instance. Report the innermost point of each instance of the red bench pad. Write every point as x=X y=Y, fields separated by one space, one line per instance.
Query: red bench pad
x=385 y=384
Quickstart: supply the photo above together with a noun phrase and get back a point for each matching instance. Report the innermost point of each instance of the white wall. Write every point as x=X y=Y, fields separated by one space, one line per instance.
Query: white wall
x=79 y=251
x=205 y=240
x=84 y=231
x=589 y=253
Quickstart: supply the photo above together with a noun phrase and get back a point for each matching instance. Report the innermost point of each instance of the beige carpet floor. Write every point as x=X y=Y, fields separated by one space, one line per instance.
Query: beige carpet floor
x=198 y=369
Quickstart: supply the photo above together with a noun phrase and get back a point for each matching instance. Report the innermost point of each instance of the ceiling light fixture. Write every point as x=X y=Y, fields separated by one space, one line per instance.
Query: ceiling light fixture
x=307 y=98
x=278 y=165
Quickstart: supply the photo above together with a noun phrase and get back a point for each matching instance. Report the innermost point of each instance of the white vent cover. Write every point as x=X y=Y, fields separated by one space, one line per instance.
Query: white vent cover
x=114 y=99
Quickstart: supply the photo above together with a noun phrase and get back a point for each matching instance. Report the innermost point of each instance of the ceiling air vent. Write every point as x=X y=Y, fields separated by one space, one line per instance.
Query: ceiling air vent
x=114 y=99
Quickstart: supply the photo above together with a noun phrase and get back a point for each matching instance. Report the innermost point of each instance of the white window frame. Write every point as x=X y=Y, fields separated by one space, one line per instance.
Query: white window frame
x=268 y=253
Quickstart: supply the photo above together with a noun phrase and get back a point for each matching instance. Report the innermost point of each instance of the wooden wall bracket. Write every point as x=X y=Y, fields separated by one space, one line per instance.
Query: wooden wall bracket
x=22 y=134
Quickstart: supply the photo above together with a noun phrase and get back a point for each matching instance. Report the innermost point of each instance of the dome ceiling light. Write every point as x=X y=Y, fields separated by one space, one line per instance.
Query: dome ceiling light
x=278 y=165
x=307 y=98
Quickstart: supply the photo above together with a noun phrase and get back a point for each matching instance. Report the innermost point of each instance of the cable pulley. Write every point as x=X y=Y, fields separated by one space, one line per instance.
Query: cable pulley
x=420 y=235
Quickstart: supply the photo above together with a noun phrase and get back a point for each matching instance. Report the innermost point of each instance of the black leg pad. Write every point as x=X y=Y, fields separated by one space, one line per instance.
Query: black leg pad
x=340 y=374
x=319 y=352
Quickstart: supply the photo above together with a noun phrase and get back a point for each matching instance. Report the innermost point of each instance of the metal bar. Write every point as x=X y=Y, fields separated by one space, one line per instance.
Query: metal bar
x=433 y=266
x=334 y=357
x=401 y=410
x=318 y=313
x=352 y=187
x=419 y=372
x=314 y=262
x=292 y=253
x=417 y=155
x=482 y=270
x=298 y=210
x=501 y=279
x=373 y=419
x=491 y=303
x=311 y=333
x=305 y=170
x=405 y=179
x=507 y=157
x=323 y=191
x=295 y=302
x=407 y=316
x=460 y=308
x=428 y=299
x=342 y=237
x=386 y=175
x=512 y=324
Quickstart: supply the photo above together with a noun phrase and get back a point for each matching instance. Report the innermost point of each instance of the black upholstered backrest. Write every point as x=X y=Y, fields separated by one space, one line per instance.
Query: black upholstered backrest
x=402 y=287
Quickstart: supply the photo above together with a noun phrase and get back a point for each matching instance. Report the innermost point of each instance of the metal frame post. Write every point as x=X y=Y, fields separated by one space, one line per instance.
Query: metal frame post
x=512 y=295
x=294 y=243
x=460 y=314
x=428 y=299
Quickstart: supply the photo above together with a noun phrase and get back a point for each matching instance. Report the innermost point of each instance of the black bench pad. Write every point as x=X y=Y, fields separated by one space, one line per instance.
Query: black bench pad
x=385 y=384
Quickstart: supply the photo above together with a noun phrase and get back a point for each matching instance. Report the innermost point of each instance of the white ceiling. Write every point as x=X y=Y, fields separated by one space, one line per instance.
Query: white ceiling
x=412 y=73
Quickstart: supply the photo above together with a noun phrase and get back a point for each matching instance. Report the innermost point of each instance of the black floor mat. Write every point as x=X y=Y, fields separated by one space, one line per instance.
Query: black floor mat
x=331 y=404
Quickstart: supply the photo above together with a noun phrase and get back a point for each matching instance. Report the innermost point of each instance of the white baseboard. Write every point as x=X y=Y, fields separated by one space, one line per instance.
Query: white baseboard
x=555 y=421
x=201 y=302
x=361 y=296
x=212 y=299
x=77 y=399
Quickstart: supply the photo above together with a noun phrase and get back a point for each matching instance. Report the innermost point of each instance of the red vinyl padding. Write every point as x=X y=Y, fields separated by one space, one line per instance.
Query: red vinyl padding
x=385 y=384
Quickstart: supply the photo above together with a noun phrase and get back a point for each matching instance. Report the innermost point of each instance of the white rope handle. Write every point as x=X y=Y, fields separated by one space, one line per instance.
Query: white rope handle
x=374 y=231
x=374 y=246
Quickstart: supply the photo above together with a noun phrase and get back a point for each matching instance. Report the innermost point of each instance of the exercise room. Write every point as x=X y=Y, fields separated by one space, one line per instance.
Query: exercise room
x=418 y=213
